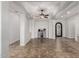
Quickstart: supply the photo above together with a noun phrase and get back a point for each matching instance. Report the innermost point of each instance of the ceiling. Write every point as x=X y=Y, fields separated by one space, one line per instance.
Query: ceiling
x=55 y=9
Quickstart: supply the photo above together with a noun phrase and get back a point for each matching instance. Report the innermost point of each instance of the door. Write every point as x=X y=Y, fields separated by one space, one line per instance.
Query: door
x=58 y=29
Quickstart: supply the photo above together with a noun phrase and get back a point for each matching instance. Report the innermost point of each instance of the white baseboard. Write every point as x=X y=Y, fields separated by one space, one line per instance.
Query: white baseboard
x=69 y=37
x=22 y=44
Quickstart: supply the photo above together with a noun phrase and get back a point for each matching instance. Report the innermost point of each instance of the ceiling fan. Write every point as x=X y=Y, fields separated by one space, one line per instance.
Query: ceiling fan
x=42 y=14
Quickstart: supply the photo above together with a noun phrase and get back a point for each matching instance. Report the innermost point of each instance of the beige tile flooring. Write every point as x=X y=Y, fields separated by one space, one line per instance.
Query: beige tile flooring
x=49 y=48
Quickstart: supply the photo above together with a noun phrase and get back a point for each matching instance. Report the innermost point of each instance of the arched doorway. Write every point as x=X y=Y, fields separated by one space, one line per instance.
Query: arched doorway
x=58 y=29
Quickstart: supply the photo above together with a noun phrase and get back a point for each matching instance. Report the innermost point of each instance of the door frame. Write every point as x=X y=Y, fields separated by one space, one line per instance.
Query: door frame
x=56 y=29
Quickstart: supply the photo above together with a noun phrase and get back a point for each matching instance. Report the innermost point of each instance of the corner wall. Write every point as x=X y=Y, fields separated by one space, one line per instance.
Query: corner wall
x=24 y=30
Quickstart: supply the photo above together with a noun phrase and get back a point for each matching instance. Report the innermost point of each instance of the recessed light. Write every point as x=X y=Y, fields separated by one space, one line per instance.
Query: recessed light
x=62 y=16
x=68 y=12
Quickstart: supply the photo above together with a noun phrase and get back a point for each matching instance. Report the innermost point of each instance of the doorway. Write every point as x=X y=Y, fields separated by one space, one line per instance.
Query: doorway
x=42 y=33
x=41 y=26
x=58 y=29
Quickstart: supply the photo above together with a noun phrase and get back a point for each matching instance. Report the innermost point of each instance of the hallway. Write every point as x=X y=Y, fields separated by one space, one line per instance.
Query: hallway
x=24 y=23
x=47 y=49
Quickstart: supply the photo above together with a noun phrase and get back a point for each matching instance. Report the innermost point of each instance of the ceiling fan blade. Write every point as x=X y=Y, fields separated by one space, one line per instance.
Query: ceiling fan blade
x=47 y=15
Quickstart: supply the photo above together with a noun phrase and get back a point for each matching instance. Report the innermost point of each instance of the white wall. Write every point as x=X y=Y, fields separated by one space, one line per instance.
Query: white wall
x=27 y=31
x=14 y=21
x=49 y=24
x=77 y=24
x=51 y=29
x=0 y=28
x=14 y=26
x=32 y=28
x=72 y=27
x=41 y=24
x=11 y=13
x=24 y=30
x=10 y=28
x=63 y=26
x=5 y=30
x=19 y=28
x=35 y=25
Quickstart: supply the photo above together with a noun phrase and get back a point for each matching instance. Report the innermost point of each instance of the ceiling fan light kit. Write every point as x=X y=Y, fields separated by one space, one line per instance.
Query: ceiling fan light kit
x=43 y=15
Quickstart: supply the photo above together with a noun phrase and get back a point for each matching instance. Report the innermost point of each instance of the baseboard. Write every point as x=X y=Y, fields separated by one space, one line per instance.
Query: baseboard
x=70 y=37
x=28 y=41
x=18 y=42
x=44 y=38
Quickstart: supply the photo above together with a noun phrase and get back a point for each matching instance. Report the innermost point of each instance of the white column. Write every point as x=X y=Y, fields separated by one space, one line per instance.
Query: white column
x=33 y=28
x=53 y=29
x=0 y=28
x=50 y=29
x=76 y=39
x=22 y=30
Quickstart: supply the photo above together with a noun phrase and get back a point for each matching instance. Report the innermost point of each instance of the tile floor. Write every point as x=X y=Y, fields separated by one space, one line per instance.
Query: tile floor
x=48 y=48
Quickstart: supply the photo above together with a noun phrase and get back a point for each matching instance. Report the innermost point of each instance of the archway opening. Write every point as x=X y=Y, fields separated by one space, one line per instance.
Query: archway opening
x=42 y=33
